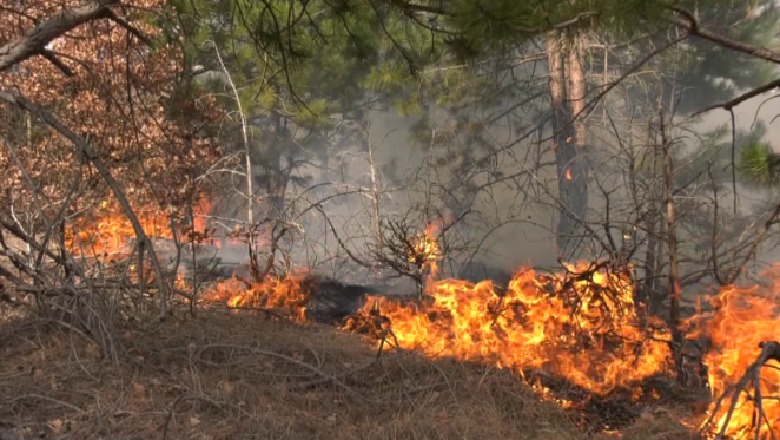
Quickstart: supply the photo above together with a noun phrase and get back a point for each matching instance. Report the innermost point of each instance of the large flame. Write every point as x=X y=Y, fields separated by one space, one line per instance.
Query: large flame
x=742 y=317
x=584 y=330
x=580 y=324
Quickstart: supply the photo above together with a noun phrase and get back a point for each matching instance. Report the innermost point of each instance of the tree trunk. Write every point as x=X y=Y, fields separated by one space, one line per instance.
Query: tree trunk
x=647 y=295
x=567 y=90
x=674 y=289
x=276 y=183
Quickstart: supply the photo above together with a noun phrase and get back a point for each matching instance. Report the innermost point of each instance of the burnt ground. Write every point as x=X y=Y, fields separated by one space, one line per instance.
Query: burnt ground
x=230 y=376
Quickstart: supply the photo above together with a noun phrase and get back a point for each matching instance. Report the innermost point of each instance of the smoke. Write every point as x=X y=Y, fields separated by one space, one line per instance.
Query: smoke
x=496 y=176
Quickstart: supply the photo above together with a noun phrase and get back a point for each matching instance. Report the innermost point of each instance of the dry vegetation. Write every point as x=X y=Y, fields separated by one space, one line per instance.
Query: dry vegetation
x=226 y=376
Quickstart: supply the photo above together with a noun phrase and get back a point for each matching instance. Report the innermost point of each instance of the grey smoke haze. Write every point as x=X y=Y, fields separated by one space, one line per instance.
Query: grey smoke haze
x=526 y=243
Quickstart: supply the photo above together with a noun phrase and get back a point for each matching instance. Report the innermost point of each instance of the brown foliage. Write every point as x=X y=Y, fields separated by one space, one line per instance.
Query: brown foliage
x=112 y=88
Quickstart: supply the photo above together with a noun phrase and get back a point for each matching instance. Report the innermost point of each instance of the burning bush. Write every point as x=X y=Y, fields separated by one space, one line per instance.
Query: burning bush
x=584 y=330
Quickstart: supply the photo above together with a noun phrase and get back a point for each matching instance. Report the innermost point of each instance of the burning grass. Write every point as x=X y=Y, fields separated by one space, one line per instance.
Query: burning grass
x=580 y=326
x=579 y=341
x=574 y=336
x=225 y=376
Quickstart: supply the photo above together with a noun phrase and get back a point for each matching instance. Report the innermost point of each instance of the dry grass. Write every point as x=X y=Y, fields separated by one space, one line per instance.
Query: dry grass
x=244 y=377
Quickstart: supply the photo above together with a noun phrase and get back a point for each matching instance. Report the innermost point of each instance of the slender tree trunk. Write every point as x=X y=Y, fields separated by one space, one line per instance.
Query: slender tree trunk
x=378 y=242
x=650 y=263
x=674 y=288
x=567 y=89
x=275 y=181
x=245 y=140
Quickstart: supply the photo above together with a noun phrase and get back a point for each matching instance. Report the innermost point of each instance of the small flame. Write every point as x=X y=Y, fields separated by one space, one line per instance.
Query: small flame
x=284 y=295
x=425 y=252
x=568 y=174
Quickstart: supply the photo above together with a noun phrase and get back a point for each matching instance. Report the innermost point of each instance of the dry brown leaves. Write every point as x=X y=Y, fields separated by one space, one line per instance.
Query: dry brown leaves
x=120 y=97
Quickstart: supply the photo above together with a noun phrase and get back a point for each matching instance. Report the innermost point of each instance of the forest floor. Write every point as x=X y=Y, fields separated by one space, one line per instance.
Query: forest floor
x=227 y=376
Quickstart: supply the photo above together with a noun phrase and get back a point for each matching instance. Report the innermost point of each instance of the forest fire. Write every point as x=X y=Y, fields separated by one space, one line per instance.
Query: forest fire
x=583 y=330
x=579 y=325
x=580 y=328
x=742 y=318
x=107 y=230
x=284 y=294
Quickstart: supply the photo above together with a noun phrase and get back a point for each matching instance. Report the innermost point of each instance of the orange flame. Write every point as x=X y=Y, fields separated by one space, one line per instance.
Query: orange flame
x=583 y=330
x=108 y=231
x=742 y=317
x=425 y=251
x=574 y=331
x=284 y=295
x=568 y=174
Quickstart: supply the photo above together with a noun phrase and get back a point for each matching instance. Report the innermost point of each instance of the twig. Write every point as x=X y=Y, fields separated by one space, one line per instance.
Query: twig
x=48 y=399
x=313 y=383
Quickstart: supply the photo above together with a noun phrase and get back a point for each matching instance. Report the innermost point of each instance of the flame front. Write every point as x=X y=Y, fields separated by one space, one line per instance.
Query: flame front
x=742 y=318
x=581 y=328
x=585 y=331
x=284 y=295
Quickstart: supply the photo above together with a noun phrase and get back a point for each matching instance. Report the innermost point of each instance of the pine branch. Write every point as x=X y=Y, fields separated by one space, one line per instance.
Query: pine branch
x=689 y=23
x=730 y=104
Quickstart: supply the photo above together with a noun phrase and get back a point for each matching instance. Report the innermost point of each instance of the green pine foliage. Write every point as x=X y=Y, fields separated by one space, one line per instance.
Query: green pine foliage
x=757 y=163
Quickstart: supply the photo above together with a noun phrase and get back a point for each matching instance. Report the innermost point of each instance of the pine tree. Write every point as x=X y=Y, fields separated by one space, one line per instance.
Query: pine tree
x=299 y=65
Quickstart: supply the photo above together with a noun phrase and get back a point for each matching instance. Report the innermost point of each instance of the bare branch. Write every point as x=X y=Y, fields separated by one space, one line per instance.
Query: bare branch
x=49 y=55
x=86 y=149
x=35 y=41
x=137 y=33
